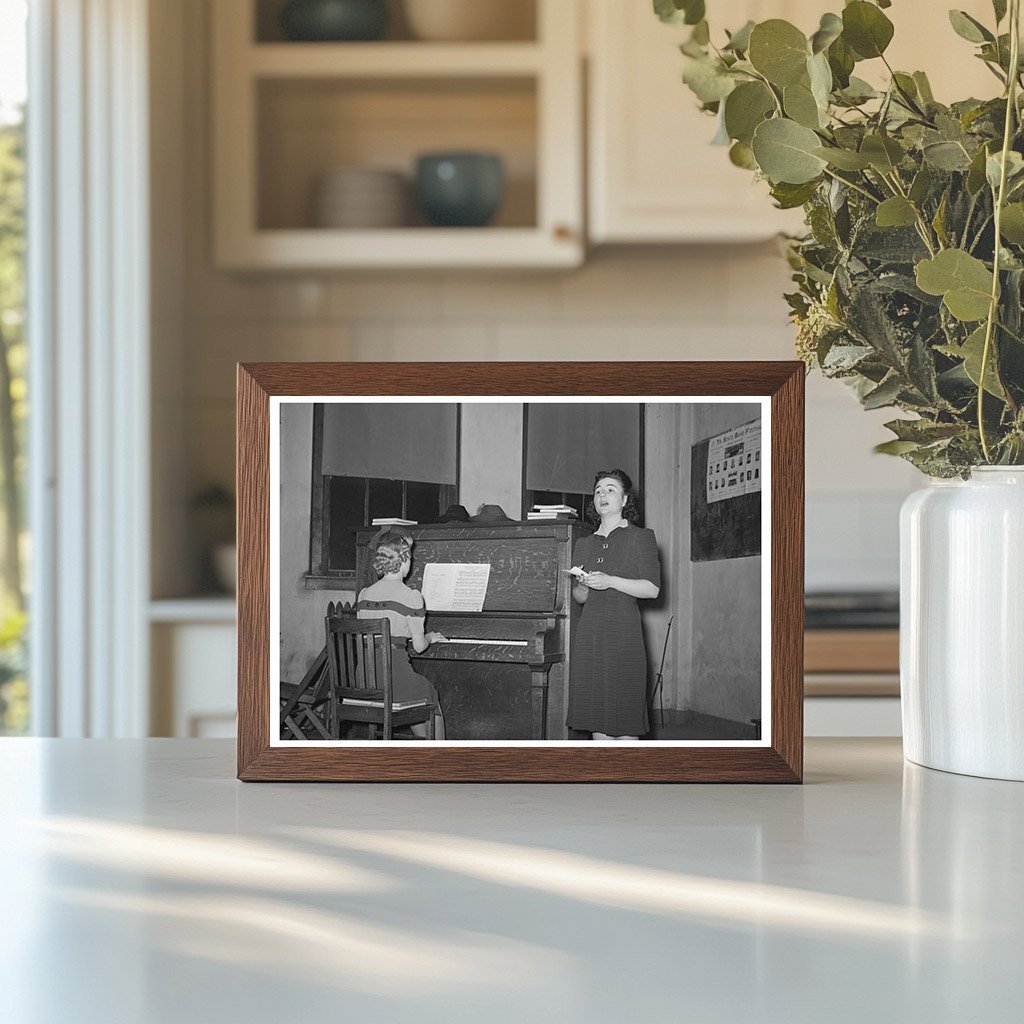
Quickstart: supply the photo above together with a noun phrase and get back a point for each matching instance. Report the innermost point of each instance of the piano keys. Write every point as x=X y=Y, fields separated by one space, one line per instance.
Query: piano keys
x=503 y=674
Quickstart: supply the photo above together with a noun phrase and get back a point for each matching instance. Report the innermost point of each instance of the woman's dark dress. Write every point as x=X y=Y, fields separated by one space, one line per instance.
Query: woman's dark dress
x=608 y=667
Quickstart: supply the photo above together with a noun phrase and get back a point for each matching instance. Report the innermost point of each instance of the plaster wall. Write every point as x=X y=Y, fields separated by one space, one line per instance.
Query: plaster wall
x=726 y=595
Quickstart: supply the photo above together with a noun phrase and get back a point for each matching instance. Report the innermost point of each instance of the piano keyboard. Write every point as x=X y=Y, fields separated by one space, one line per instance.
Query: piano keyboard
x=470 y=640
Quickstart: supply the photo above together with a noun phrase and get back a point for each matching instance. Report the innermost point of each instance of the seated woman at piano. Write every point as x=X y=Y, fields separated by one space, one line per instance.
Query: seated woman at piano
x=608 y=667
x=389 y=598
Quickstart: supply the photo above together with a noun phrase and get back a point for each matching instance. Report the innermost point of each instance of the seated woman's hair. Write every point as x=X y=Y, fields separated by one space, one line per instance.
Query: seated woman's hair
x=391 y=547
x=631 y=513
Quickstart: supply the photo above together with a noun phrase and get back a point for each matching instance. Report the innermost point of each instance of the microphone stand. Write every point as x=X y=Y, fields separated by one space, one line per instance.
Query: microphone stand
x=659 y=682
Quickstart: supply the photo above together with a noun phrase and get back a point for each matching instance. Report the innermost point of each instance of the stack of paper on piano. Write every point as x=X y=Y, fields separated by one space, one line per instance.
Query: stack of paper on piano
x=393 y=521
x=552 y=512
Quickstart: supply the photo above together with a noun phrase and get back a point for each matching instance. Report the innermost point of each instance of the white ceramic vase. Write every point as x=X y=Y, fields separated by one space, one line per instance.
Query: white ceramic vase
x=962 y=624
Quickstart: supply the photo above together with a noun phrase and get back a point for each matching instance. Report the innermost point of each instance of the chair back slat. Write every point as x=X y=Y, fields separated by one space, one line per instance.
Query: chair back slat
x=352 y=653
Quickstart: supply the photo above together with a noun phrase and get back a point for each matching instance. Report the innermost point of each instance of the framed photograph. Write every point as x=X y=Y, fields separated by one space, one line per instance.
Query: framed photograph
x=520 y=572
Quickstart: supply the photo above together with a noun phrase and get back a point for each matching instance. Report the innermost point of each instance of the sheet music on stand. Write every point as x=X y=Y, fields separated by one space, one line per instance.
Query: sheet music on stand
x=455 y=586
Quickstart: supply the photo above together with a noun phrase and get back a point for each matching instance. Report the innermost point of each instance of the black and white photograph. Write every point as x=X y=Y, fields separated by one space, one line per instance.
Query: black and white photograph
x=492 y=571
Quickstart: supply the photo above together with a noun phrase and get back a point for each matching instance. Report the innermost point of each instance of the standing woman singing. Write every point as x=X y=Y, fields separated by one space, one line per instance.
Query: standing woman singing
x=608 y=667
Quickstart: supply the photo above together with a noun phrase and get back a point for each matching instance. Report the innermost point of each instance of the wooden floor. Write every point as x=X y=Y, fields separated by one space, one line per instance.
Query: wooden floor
x=699 y=727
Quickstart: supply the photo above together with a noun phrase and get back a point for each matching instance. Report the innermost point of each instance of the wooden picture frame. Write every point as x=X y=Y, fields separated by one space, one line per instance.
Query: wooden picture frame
x=777 y=758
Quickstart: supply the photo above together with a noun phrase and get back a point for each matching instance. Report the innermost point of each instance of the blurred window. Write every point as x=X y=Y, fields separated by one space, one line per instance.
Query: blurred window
x=14 y=547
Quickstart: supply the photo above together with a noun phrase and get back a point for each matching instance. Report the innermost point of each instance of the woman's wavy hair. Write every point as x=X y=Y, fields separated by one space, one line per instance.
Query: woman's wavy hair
x=391 y=547
x=631 y=513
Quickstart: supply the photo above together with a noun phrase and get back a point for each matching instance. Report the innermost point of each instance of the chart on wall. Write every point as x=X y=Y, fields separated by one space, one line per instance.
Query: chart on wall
x=725 y=494
x=734 y=462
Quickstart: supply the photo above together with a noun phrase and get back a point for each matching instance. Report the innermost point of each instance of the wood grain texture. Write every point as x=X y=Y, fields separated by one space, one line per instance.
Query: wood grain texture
x=782 y=762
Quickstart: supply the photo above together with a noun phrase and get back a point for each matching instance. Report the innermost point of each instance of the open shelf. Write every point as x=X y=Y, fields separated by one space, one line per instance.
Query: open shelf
x=288 y=113
x=306 y=128
x=518 y=22
x=394 y=60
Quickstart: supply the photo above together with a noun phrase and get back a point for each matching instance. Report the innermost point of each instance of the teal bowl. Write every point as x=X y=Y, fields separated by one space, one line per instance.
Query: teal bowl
x=460 y=190
x=332 y=21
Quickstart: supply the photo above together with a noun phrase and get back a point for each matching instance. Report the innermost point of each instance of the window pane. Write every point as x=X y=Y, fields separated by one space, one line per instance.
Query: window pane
x=546 y=498
x=578 y=502
x=422 y=502
x=14 y=693
x=385 y=499
x=346 y=505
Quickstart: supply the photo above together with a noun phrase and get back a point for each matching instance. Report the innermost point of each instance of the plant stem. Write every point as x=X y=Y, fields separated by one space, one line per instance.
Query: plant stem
x=922 y=225
x=993 y=309
x=855 y=187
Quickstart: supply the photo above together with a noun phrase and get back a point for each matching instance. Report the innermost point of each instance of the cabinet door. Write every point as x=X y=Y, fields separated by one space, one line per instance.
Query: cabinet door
x=654 y=175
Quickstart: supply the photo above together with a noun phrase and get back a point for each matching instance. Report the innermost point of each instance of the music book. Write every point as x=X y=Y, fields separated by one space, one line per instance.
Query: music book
x=393 y=521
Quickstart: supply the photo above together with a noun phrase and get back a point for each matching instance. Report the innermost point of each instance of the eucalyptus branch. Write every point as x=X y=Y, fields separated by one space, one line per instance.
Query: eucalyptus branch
x=993 y=308
x=853 y=185
x=977 y=238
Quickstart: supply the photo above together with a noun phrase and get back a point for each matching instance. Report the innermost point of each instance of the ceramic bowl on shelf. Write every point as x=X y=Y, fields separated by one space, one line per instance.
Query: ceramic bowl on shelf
x=471 y=20
x=334 y=20
x=460 y=189
x=361 y=198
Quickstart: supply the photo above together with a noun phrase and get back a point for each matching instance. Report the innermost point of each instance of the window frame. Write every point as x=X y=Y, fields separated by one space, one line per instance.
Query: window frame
x=320 y=575
x=529 y=495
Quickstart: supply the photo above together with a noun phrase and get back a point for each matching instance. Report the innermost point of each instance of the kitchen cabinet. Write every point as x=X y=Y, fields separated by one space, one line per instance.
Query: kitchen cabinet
x=192 y=654
x=287 y=113
x=653 y=175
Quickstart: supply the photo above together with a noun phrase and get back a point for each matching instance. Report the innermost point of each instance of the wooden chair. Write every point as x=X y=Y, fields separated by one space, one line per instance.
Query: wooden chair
x=358 y=692
x=304 y=707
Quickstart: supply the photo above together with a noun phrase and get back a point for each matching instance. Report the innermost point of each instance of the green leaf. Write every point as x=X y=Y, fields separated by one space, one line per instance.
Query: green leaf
x=924 y=88
x=971 y=352
x=778 y=50
x=701 y=33
x=785 y=152
x=708 y=81
x=963 y=281
x=994 y=167
x=923 y=431
x=841 y=60
x=885 y=394
x=800 y=105
x=820 y=76
x=742 y=155
x=921 y=186
x=739 y=41
x=999 y=7
x=883 y=153
x=745 y=108
x=1011 y=226
x=829 y=30
x=968 y=28
x=946 y=156
x=866 y=29
x=895 y=447
x=789 y=197
x=677 y=12
x=896 y=212
x=844 y=159
x=976 y=174
x=939 y=220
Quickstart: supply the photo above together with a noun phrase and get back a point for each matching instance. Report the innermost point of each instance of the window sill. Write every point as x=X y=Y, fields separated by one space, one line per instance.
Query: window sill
x=343 y=581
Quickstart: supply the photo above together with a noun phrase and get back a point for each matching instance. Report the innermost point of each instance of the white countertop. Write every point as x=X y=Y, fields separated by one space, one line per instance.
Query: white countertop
x=143 y=884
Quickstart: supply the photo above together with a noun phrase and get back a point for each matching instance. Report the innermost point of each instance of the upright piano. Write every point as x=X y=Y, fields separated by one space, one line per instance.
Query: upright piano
x=503 y=674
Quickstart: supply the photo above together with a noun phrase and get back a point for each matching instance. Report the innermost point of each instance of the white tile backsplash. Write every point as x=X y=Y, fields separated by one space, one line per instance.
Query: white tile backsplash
x=718 y=302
